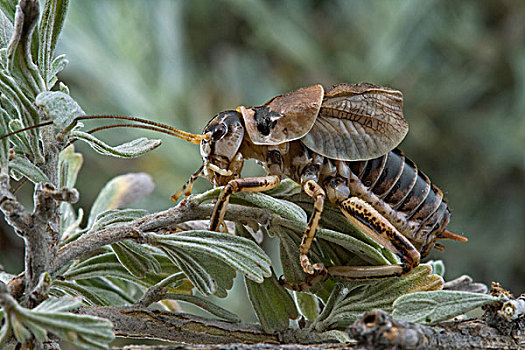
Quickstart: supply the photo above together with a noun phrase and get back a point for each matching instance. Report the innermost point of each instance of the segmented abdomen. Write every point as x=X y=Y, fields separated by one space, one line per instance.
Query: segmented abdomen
x=404 y=195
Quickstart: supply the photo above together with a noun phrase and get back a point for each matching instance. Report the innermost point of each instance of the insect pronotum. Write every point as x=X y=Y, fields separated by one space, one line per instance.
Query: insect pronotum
x=339 y=144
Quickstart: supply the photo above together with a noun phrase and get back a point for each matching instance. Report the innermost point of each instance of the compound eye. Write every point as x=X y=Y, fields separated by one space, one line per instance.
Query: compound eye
x=219 y=132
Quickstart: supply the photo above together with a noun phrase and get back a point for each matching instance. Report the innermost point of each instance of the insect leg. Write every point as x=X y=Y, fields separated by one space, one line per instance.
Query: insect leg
x=369 y=221
x=188 y=186
x=315 y=191
x=249 y=184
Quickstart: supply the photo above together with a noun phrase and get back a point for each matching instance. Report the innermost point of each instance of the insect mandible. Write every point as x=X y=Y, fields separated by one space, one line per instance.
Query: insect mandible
x=339 y=145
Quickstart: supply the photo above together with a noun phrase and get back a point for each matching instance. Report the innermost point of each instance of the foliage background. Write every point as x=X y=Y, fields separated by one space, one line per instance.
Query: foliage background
x=460 y=66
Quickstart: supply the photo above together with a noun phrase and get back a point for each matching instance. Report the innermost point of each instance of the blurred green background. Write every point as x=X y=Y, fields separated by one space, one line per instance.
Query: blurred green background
x=459 y=64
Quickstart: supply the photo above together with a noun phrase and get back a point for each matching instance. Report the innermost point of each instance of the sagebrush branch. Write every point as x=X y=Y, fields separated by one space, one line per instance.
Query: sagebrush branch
x=178 y=327
x=135 y=230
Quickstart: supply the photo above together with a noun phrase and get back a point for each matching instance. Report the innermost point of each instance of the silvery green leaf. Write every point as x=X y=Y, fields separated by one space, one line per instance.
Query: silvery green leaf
x=273 y=305
x=51 y=23
x=69 y=222
x=436 y=306
x=22 y=334
x=6 y=30
x=69 y=164
x=89 y=296
x=24 y=167
x=332 y=218
x=107 y=266
x=63 y=87
x=329 y=337
x=4 y=143
x=121 y=191
x=286 y=188
x=116 y=216
x=438 y=267
x=239 y=253
x=91 y=293
x=8 y=8
x=131 y=149
x=351 y=299
x=136 y=259
x=281 y=207
x=205 y=305
x=97 y=266
x=194 y=271
x=365 y=251
x=208 y=274
x=115 y=292
x=63 y=304
x=289 y=251
x=59 y=63
x=21 y=65
x=39 y=332
x=5 y=329
x=20 y=140
x=59 y=107
x=307 y=304
x=87 y=332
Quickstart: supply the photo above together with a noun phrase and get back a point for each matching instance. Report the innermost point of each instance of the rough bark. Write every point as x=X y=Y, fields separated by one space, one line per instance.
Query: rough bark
x=374 y=330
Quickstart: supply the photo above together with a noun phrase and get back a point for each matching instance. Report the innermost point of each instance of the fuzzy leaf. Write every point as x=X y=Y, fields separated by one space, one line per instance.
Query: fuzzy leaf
x=107 y=265
x=51 y=23
x=88 y=295
x=6 y=327
x=20 y=140
x=208 y=274
x=59 y=107
x=6 y=30
x=239 y=253
x=116 y=216
x=438 y=267
x=273 y=305
x=21 y=333
x=4 y=143
x=365 y=251
x=69 y=163
x=21 y=65
x=308 y=305
x=113 y=291
x=87 y=332
x=436 y=306
x=281 y=207
x=58 y=304
x=205 y=305
x=8 y=8
x=135 y=258
x=286 y=188
x=121 y=191
x=58 y=65
x=131 y=149
x=24 y=167
x=350 y=300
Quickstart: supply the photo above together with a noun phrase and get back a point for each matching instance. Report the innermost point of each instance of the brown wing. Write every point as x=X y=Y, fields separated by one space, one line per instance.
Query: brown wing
x=284 y=118
x=358 y=122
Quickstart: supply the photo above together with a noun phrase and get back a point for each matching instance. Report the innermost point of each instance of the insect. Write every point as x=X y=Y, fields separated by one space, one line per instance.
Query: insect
x=339 y=145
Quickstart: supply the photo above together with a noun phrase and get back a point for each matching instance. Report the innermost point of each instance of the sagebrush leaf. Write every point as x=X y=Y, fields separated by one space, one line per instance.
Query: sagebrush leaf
x=436 y=306
x=131 y=149
x=273 y=305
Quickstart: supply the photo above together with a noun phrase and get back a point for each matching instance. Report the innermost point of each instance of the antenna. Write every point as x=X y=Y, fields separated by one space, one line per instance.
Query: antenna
x=148 y=125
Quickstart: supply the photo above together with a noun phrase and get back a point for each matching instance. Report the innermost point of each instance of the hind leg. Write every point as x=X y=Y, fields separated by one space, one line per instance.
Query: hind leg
x=369 y=221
